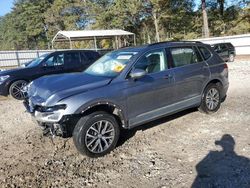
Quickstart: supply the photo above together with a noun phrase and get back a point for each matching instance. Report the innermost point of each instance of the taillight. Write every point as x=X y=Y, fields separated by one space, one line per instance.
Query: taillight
x=225 y=66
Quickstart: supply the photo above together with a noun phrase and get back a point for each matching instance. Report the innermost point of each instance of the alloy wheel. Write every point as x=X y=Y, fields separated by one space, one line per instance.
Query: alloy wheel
x=100 y=136
x=17 y=90
x=212 y=99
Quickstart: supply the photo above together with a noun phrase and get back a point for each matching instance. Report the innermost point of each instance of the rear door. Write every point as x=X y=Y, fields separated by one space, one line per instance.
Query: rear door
x=72 y=61
x=89 y=57
x=190 y=73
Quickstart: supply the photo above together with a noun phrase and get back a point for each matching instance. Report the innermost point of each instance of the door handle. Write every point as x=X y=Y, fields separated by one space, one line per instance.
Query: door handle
x=168 y=76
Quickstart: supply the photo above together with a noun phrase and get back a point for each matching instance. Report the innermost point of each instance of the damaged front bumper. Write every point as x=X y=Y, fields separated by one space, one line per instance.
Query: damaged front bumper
x=52 y=120
x=44 y=114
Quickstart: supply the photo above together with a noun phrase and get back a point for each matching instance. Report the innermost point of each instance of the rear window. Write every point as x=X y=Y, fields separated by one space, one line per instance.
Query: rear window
x=205 y=52
x=230 y=45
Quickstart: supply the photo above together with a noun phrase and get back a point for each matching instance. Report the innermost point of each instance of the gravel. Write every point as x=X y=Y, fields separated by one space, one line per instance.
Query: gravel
x=176 y=151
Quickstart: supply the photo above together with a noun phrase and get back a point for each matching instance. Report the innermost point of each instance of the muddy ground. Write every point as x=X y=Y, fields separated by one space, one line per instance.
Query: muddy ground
x=164 y=153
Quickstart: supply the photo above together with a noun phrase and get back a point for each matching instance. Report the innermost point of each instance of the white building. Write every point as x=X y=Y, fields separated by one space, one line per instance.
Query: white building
x=240 y=42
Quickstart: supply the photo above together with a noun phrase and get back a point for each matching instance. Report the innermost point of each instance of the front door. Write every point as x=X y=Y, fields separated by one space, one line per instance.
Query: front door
x=52 y=65
x=152 y=92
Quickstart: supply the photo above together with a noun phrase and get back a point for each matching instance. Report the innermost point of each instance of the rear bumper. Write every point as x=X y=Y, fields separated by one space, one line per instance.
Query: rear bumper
x=224 y=91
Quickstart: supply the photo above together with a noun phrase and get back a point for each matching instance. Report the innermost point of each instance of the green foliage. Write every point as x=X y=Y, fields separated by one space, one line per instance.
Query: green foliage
x=33 y=23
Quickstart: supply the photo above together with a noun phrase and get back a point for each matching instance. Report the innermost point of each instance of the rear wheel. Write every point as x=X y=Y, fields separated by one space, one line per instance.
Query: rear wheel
x=96 y=134
x=16 y=89
x=211 y=99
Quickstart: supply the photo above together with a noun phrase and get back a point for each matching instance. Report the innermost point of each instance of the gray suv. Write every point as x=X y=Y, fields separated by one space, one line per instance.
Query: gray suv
x=127 y=88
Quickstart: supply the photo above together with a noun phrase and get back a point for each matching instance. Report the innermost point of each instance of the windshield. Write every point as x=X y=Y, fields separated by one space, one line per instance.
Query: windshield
x=36 y=61
x=111 y=64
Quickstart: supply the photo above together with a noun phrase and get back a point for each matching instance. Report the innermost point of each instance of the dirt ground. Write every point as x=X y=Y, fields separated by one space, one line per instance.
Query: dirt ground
x=176 y=151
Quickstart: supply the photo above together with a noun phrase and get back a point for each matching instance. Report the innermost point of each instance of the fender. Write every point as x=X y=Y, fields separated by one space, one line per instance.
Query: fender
x=117 y=109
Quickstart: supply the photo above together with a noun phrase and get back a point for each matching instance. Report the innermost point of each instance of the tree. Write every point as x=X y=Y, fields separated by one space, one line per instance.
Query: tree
x=205 y=19
x=33 y=23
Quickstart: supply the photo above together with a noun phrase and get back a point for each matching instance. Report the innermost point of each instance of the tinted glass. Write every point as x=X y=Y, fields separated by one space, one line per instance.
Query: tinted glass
x=205 y=52
x=152 y=62
x=229 y=45
x=71 y=58
x=223 y=46
x=55 y=60
x=37 y=61
x=91 y=56
x=185 y=56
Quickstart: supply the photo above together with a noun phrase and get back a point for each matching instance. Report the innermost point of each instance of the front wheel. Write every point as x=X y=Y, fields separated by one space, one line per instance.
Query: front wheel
x=96 y=134
x=16 y=89
x=211 y=99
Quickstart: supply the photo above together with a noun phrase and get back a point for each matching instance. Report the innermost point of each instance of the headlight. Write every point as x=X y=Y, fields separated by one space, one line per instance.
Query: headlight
x=50 y=114
x=49 y=117
x=51 y=108
x=3 y=78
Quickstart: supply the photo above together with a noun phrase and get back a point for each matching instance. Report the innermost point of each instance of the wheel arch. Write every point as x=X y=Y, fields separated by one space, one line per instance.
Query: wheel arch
x=213 y=81
x=105 y=106
x=15 y=80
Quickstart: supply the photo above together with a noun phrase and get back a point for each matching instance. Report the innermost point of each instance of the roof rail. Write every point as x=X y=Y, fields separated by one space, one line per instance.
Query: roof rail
x=165 y=42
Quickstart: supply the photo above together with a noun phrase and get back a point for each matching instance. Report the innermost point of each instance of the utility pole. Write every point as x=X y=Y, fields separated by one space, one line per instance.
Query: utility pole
x=205 y=19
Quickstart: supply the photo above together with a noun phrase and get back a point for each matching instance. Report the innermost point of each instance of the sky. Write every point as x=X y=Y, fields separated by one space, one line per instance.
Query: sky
x=5 y=6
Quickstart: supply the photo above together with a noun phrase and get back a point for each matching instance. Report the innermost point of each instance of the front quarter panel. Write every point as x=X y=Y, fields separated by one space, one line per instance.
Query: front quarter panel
x=111 y=94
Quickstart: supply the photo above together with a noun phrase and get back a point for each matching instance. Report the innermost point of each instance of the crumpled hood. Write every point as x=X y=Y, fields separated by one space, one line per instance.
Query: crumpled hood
x=51 y=89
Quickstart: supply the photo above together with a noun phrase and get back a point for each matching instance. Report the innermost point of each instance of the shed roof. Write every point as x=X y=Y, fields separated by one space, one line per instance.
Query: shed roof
x=89 y=34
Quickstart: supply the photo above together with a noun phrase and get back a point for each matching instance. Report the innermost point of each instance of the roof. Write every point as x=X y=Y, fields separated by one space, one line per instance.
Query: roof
x=159 y=44
x=89 y=34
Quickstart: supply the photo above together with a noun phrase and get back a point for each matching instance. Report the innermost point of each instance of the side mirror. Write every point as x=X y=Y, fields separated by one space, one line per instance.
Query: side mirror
x=137 y=73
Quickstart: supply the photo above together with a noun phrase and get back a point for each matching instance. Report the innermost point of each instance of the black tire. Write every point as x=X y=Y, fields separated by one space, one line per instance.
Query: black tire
x=205 y=106
x=231 y=58
x=85 y=125
x=15 y=89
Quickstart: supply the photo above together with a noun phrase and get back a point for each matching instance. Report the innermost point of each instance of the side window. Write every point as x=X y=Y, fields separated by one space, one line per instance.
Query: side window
x=152 y=62
x=72 y=58
x=223 y=47
x=205 y=52
x=216 y=47
x=55 y=60
x=91 y=56
x=185 y=56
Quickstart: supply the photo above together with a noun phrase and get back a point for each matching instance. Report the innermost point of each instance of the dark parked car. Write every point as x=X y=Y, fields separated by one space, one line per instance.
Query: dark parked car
x=13 y=81
x=225 y=50
x=127 y=88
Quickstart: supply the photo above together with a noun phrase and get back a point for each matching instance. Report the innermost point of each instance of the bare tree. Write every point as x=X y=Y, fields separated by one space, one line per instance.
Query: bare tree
x=205 y=19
